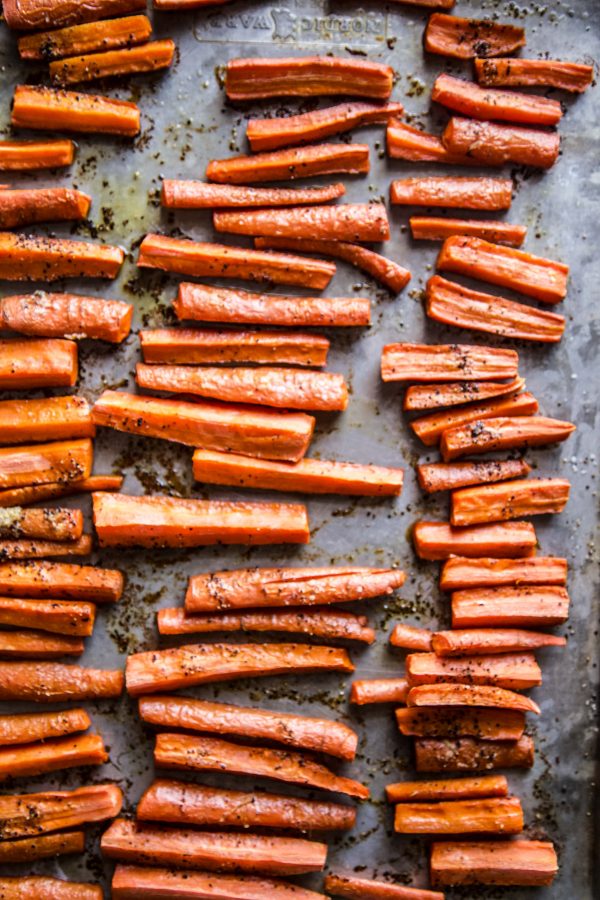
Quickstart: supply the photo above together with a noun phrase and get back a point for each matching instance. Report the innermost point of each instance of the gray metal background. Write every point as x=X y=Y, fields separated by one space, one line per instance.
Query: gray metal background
x=186 y=121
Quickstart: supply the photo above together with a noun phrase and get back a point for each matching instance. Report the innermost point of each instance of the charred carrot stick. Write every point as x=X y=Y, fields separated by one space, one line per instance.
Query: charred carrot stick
x=265 y=386
x=160 y=670
x=38 y=493
x=484 y=724
x=68 y=617
x=432 y=396
x=27 y=549
x=53 y=682
x=468 y=38
x=37 y=363
x=253 y=588
x=448 y=476
x=310 y=476
x=53 y=524
x=503 y=433
x=491 y=640
x=31 y=814
x=469 y=695
x=38 y=645
x=510 y=607
x=60 y=580
x=454 y=304
x=492 y=144
x=471 y=788
x=527 y=863
x=453 y=192
x=193 y=753
x=42 y=846
x=150 y=57
x=48 y=108
x=344 y=222
x=90 y=37
x=574 y=77
x=471 y=755
x=200 y=195
x=459 y=572
x=500 y=502
x=51 y=888
x=309 y=76
x=287 y=165
x=317 y=622
x=28 y=727
x=220 y=261
x=66 y=316
x=468 y=99
x=180 y=803
x=202 y=303
x=272 y=134
x=29 y=206
x=386 y=271
x=28 y=156
x=431 y=428
x=514 y=671
x=488 y=815
x=379 y=690
x=43 y=463
x=355 y=888
x=28 y=15
x=191 y=346
x=52 y=418
x=429 y=228
x=37 y=258
x=439 y=540
x=52 y=755
x=410 y=638
x=414 y=145
x=444 y=362
x=140 y=882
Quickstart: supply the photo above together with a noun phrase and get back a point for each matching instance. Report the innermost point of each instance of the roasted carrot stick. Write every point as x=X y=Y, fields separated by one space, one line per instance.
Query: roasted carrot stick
x=51 y=755
x=431 y=428
x=439 y=540
x=49 y=888
x=468 y=99
x=491 y=640
x=355 y=888
x=484 y=724
x=287 y=165
x=28 y=549
x=48 y=108
x=38 y=645
x=468 y=38
x=243 y=429
x=150 y=57
x=453 y=192
x=272 y=134
x=180 y=803
x=38 y=493
x=469 y=695
x=66 y=316
x=503 y=433
x=309 y=76
x=243 y=588
x=470 y=788
x=136 y=883
x=500 y=502
x=53 y=524
x=38 y=258
x=459 y=572
x=386 y=271
x=200 y=195
x=28 y=15
x=448 y=476
x=444 y=362
x=379 y=690
x=492 y=144
x=53 y=682
x=344 y=222
x=37 y=363
x=410 y=638
x=191 y=346
x=317 y=622
x=28 y=156
x=220 y=261
x=414 y=145
x=59 y=616
x=291 y=729
x=43 y=463
x=52 y=418
x=555 y=73
x=428 y=228
x=29 y=206
x=514 y=671
x=489 y=815
x=88 y=38
x=455 y=393
x=31 y=814
x=527 y=863
x=471 y=755
x=27 y=727
x=193 y=753
x=265 y=386
x=60 y=580
x=510 y=607
x=42 y=846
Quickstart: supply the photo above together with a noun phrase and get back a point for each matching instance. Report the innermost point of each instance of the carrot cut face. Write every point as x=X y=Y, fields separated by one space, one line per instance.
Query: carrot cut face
x=469 y=695
x=44 y=846
x=258 y=79
x=29 y=206
x=287 y=165
x=439 y=540
x=447 y=362
x=568 y=76
x=28 y=15
x=379 y=690
x=193 y=346
x=439 y=722
x=355 y=888
x=60 y=580
x=28 y=727
x=430 y=228
x=460 y=572
x=344 y=222
x=47 y=811
x=490 y=815
x=149 y=57
x=52 y=755
x=414 y=145
x=53 y=682
x=37 y=258
x=133 y=881
x=471 y=755
x=28 y=156
x=510 y=607
x=435 y=477
x=500 y=502
x=468 y=38
x=453 y=192
x=514 y=671
x=494 y=144
x=68 y=617
x=455 y=393
x=43 y=463
x=468 y=99
x=432 y=428
x=491 y=640
x=75 y=40
x=37 y=645
x=200 y=195
x=410 y=638
x=26 y=365
x=506 y=863
x=470 y=788
x=47 y=108
x=503 y=433
x=66 y=316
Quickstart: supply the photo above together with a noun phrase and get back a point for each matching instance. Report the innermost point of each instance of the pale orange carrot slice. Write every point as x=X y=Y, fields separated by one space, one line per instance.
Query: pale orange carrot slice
x=431 y=228
x=468 y=99
x=467 y=38
x=43 y=463
x=345 y=222
x=567 y=76
x=70 y=617
x=37 y=258
x=27 y=727
x=449 y=476
x=439 y=540
x=28 y=156
x=60 y=580
x=193 y=346
x=37 y=363
x=257 y=79
x=494 y=144
x=52 y=755
x=287 y=165
x=149 y=57
x=201 y=195
x=488 y=815
x=52 y=682
x=29 y=206
x=500 y=502
x=460 y=572
x=379 y=690
x=47 y=108
x=531 y=606
x=138 y=882
x=469 y=788
x=67 y=316
x=506 y=863
x=447 y=362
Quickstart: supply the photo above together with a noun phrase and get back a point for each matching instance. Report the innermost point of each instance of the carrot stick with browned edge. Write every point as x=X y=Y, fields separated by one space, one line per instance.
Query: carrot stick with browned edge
x=28 y=15
x=29 y=206
x=48 y=108
x=491 y=640
x=467 y=38
x=356 y=888
x=38 y=645
x=493 y=144
x=66 y=316
x=52 y=524
x=60 y=581
x=44 y=463
x=500 y=502
x=50 y=418
x=351 y=222
x=514 y=671
x=470 y=788
x=471 y=755
x=52 y=755
x=309 y=76
x=75 y=40
x=460 y=572
x=28 y=549
x=52 y=682
x=379 y=690
x=468 y=99
x=43 y=363
x=440 y=722
x=27 y=727
x=498 y=607
x=471 y=418
x=193 y=346
x=38 y=493
x=287 y=165
x=447 y=362
x=469 y=695
x=38 y=258
x=31 y=814
x=410 y=638
x=44 y=846
x=414 y=145
x=69 y=617
x=439 y=540
x=485 y=815
x=456 y=393
x=430 y=228
x=504 y=432
x=28 y=156
x=137 y=883
x=506 y=863
x=567 y=76
x=453 y=192
x=449 y=476
x=201 y=195
x=149 y=57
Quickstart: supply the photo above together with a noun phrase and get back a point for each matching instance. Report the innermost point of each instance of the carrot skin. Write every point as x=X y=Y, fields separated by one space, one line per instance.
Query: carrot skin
x=500 y=502
x=66 y=316
x=536 y=607
x=287 y=165
x=445 y=362
x=470 y=788
x=452 y=192
x=51 y=418
x=379 y=690
x=414 y=145
x=366 y=889
x=469 y=420
x=47 y=811
x=52 y=682
x=456 y=393
x=429 y=228
x=489 y=815
x=38 y=258
x=435 y=477
x=54 y=524
x=513 y=671
x=258 y=79
x=467 y=38
x=27 y=549
x=410 y=638
x=200 y=195
x=149 y=57
x=567 y=76
x=27 y=727
x=439 y=540
x=460 y=572
x=49 y=888
x=43 y=846
x=439 y=722
x=60 y=581
x=28 y=15
x=187 y=346
x=29 y=206
x=26 y=365
x=471 y=755
x=491 y=640
x=345 y=222
x=29 y=156
x=52 y=755
x=503 y=433
x=23 y=645
x=494 y=144
x=68 y=617
x=137 y=883
x=468 y=99
x=508 y=863
x=76 y=40
x=62 y=461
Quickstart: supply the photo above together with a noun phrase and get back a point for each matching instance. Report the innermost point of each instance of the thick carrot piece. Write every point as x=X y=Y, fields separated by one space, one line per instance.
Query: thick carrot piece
x=410 y=638
x=200 y=195
x=38 y=258
x=32 y=814
x=150 y=57
x=29 y=156
x=53 y=682
x=445 y=362
x=460 y=572
x=439 y=540
x=38 y=645
x=500 y=502
x=27 y=549
x=453 y=192
x=536 y=607
x=468 y=38
x=43 y=846
x=193 y=346
x=28 y=15
x=454 y=304
x=456 y=393
x=201 y=754
x=429 y=228
x=432 y=428
x=344 y=222
x=52 y=755
x=309 y=476
x=69 y=617
x=469 y=695
x=48 y=108
x=133 y=883
x=491 y=640
x=471 y=788
x=493 y=144
x=449 y=476
x=379 y=690
x=488 y=815
x=507 y=863
x=503 y=433
x=66 y=316
x=28 y=206
x=220 y=261
x=265 y=386
x=291 y=729
x=513 y=671
x=38 y=493
x=471 y=755
x=272 y=134
x=355 y=888
x=468 y=99
x=287 y=165
x=26 y=365
x=254 y=588
x=51 y=418
x=28 y=727
x=61 y=581
x=87 y=38
x=42 y=463
x=440 y=722
x=53 y=524
x=573 y=77
x=33 y=886
x=414 y=145
x=309 y=76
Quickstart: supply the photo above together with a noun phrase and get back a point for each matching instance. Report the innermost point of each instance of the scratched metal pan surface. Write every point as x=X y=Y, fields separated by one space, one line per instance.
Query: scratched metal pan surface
x=186 y=121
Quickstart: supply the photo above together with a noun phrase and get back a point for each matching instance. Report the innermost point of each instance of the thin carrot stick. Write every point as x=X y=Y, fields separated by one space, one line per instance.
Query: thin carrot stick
x=53 y=682
x=344 y=222
x=52 y=418
x=220 y=261
x=510 y=607
x=43 y=846
x=28 y=727
x=514 y=671
x=489 y=815
x=355 y=888
x=503 y=433
x=471 y=755
x=52 y=755
x=28 y=156
x=133 y=883
x=53 y=524
x=27 y=549
x=54 y=109
x=430 y=228
x=32 y=814
x=500 y=502
x=491 y=640
x=410 y=638
x=469 y=695
x=191 y=346
x=445 y=362
x=468 y=99
x=287 y=165
x=28 y=15
x=59 y=616
x=87 y=38
x=37 y=363
x=27 y=206
x=470 y=788
x=200 y=195
x=414 y=145
x=492 y=144
x=60 y=580
x=449 y=476
x=49 y=888
x=432 y=396
x=431 y=428
x=468 y=38
x=150 y=57
x=568 y=76
x=38 y=258
x=43 y=463
x=38 y=645
x=507 y=863
x=453 y=192
x=309 y=76
x=67 y=316
x=379 y=690
x=38 y=493
x=439 y=540
x=459 y=572
x=484 y=724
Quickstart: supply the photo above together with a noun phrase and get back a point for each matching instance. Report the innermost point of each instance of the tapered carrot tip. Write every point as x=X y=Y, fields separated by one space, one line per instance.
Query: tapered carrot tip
x=355 y=888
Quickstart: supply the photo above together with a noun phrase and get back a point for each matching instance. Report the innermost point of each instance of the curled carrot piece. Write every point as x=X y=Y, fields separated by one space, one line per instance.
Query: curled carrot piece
x=191 y=346
x=499 y=502
x=471 y=695
x=472 y=755
x=439 y=540
x=54 y=418
x=42 y=846
x=489 y=815
x=345 y=222
x=449 y=476
x=258 y=79
x=132 y=881
x=446 y=362
x=32 y=814
x=200 y=195
x=52 y=755
x=286 y=165
x=507 y=863
x=491 y=640
x=27 y=206
x=37 y=645
x=37 y=258
x=60 y=580
x=414 y=145
x=37 y=363
x=28 y=727
x=75 y=40
x=503 y=433
x=66 y=316
x=431 y=429
x=514 y=671
x=481 y=723
x=379 y=690
x=492 y=144
x=39 y=493
x=462 y=192
x=429 y=228
x=53 y=524
x=469 y=788
x=460 y=572
x=43 y=463
x=150 y=57
x=69 y=617
x=431 y=396
x=468 y=99
x=468 y=38
x=535 y=607
x=47 y=108
x=51 y=888
x=410 y=638
x=355 y=888
x=28 y=15
x=28 y=156
x=568 y=76
x=52 y=682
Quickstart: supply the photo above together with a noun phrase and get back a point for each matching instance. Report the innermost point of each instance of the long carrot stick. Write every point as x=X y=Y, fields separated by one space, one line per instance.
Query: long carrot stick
x=47 y=108
x=514 y=671
x=491 y=640
x=447 y=362
x=489 y=815
x=52 y=755
x=50 y=888
x=287 y=165
x=344 y=222
x=27 y=15
x=456 y=393
x=180 y=803
x=439 y=540
x=38 y=493
x=449 y=476
x=43 y=846
x=414 y=145
x=28 y=156
x=510 y=607
x=60 y=580
x=32 y=814
x=506 y=863
x=66 y=316
x=258 y=79
x=500 y=502
x=567 y=76
x=491 y=144
x=193 y=346
x=28 y=727
x=52 y=682
x=37 y=258
x=43 y=463
x=469 y=695
x=150 y=57
x=430 y=228
x=468 y=38
x=75 y=618
x=90 y=37
x=355 y=888
x=131 y=882
x=439 y=722
x=453 y=192
x=37 y=363
x=53 y=524
x=52 y=418
x=27 y=206
x=243 y=429
x=200 y=195
x=503 y=433
x=379 y=690
x=220 y=261
x=468 y=99
x=410 y=638
x=27 y=549
x=431 y=428
x=470 y=788
x=38 y=645
x=471 y=755
x=274 y=133
x=459 y=572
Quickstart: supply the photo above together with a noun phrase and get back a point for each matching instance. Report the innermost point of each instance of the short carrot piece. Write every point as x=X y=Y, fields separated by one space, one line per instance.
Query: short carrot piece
x=201 y=195
x=52 y=755
x=414 y=145
x=309 y=76
x=137 y=883
x=29 y=206
x=75 y=40
x=66 y=316
x=491 y=640
x=447 y=362
x=275 y=133
x=469 y=695
x=292 y=163
x=460 y=572
x=456 y=393
x=193 y=346
x=28 y=15
x=510 y=607
x=47 y=811
x=33 y=549
x=38 y=645
x=488 y=815
x=52 y=524
x=223 y=261
x=44 y=846
x=495 y=144
x=355 y=888
x=69 y=617
x=345 y=222
x=468 y=99
x=37 y=258
x=29 y=156
x=429 y=228
x=555 y=73
x=500 y=502
x=439 y=540
x=471 y=755
x=471 y=788
x=503 y=433
x=513 y=671
x=410 y=638
x=53 y=682
x=65 y=581
x=506 y=863
x=52 y=888
x=439 y=722
x=50 y=418
x=431 y=428
x=454 y=192
x=435 y=477
x=27 y=727
x=149 y=57
x=468 y=38
x=39 y=493
x=26 y=365
x=43 y=463
x=379 y=690
x=48 y=108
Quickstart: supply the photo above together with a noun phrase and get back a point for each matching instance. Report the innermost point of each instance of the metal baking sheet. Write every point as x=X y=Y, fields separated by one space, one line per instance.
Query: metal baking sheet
x=186 y=121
